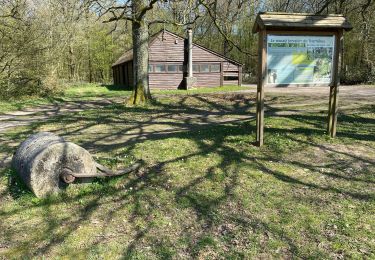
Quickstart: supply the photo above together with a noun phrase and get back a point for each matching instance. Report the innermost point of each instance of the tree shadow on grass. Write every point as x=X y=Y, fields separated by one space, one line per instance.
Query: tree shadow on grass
x=112 y=87
x=212 y=214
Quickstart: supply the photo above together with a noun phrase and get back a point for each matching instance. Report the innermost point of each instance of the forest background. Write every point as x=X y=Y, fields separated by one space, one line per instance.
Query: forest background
x=46 y=45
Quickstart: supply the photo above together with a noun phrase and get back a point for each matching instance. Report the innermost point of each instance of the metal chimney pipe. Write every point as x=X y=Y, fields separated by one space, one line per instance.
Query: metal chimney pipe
x=190 y=53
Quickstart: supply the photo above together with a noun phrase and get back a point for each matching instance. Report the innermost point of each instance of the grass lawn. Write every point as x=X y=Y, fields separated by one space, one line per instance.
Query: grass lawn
x=89 y=91
x=205 y=191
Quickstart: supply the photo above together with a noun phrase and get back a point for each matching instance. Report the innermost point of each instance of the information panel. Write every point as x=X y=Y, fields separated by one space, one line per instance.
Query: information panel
x=299 y=59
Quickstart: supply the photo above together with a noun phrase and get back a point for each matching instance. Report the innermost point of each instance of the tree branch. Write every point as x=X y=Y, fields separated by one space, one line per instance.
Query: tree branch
x=230 y=41
x=145 y=9
x=174 y=23
x=125 y=8
x=325 y=5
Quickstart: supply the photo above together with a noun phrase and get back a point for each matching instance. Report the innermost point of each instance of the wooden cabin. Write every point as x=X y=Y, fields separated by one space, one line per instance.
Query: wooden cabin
x=168 y=58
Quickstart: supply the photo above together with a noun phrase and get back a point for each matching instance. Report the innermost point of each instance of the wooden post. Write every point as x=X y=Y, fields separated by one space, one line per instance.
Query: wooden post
x=121 y=79
x=240 y=76
x=331 y=91
x=260 y=87
x=117 y=76
x=334 y=88
x=221 y=74
x=126 y=75
x=114 y=75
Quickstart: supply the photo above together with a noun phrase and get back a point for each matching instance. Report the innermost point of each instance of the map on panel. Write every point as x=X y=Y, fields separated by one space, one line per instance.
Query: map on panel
x=299 y=59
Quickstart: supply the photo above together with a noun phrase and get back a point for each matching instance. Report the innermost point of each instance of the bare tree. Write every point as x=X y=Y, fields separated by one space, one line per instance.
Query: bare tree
x=136 y=12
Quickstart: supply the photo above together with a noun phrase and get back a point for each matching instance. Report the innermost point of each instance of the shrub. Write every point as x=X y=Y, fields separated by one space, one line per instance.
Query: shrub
x=356 y=75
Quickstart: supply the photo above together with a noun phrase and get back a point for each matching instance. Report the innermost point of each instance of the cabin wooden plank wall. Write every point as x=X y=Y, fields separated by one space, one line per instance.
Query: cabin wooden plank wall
x=230 y=66
x=231 y=74
x=167 y=48
x=208 y=80
x=201 y=55
x=167 y=52
x=168 y=80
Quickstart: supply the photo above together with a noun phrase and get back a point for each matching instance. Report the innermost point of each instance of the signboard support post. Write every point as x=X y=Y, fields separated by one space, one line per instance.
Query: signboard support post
x=260 y=88
x=334 y=88
x=299 y=49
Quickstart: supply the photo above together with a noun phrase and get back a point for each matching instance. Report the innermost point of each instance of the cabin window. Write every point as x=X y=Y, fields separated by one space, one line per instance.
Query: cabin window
x=175 y=68
x=230 y=78
x=159 y=68
x=205 y=68
x=172 y=68
x=215 y=67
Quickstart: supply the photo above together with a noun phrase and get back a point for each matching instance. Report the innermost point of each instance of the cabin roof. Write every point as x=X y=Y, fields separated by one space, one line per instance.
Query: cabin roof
x=272 y=20
x=128 y=55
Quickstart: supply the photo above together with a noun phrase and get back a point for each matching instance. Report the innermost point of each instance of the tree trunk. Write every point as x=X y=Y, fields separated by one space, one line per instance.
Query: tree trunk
x=226 y=48
x=141 y=93
x=89 y=59
x=71 y=63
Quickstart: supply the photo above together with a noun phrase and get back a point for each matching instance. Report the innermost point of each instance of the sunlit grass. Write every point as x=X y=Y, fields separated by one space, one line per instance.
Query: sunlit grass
x=92 y=91
x=205 y=191
x=95 y=91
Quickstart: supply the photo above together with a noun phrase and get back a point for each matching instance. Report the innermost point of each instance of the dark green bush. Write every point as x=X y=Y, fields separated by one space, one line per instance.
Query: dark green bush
x=355 y=76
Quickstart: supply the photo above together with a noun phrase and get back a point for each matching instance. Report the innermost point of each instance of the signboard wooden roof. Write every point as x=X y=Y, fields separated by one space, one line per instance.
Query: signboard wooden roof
x=300 y=21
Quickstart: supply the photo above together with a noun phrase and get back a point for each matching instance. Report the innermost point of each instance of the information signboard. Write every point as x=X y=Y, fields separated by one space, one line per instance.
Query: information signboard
x=295 y=59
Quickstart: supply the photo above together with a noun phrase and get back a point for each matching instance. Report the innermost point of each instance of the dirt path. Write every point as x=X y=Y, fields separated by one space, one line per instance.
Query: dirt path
x=362 y=90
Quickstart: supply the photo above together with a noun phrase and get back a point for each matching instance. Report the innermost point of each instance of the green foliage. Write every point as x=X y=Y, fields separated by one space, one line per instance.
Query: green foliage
x=355 y=75
x=44 y=44
x=22 y=64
